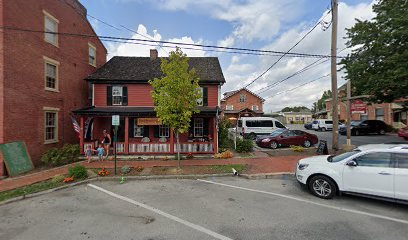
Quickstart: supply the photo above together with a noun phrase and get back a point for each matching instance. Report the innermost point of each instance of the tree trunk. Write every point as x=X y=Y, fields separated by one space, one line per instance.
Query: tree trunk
x=178 y=149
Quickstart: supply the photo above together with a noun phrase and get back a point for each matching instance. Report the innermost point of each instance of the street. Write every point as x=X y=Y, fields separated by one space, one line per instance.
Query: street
x=355 y=140
x=215 y=208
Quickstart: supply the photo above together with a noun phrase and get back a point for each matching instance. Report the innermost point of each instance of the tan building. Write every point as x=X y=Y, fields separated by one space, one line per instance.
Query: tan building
x=296 y=117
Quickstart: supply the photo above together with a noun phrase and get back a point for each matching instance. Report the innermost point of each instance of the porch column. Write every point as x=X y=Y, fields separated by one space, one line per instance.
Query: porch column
x=215 y=135
x=171 y=141
x=126 y=135
x=81 y=134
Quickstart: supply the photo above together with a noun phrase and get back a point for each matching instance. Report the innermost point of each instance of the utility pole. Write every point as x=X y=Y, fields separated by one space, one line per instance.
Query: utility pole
x=348 y=113
x=335 y=114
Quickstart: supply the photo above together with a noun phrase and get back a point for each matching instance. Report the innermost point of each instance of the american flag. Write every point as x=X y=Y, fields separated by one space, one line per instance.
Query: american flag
x=76 y=126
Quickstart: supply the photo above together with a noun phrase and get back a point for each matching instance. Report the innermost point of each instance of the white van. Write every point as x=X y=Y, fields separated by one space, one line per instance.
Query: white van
x=252 y=126
x=322 y=124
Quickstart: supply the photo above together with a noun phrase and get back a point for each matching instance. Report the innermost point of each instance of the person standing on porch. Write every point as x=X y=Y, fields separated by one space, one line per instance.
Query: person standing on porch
x=107 y=140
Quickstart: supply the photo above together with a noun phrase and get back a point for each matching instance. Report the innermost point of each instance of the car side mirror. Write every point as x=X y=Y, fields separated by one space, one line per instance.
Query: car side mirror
x=351 y=163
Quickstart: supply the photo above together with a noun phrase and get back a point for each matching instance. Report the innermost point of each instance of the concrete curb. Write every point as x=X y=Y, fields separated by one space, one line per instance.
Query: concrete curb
x=152 y=177
x=257 y=176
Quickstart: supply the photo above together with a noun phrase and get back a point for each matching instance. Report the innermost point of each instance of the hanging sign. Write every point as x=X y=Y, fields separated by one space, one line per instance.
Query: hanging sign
x=359 y=106
x=115 y=120
x=148 y=121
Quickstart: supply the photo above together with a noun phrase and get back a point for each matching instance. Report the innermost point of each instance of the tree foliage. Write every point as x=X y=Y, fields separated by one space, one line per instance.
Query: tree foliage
x=176 y=94
x=295 y=109
x=377 y=65
x=321 y=103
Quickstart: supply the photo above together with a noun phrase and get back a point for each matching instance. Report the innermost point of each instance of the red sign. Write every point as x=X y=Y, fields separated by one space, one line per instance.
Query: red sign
x=358 y=106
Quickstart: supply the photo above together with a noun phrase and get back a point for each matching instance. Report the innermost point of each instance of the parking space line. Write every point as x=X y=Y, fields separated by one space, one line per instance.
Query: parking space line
x=174 y=218
x=310 y=202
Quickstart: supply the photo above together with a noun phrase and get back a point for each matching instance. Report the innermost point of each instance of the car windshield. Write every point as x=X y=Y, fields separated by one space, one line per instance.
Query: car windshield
x=277 y=132
x=355 y=123
x=342 y=156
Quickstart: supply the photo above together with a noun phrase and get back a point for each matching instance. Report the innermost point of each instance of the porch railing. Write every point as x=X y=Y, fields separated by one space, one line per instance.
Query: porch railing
x=149 y=148
x=195 y=147
x=120 y=147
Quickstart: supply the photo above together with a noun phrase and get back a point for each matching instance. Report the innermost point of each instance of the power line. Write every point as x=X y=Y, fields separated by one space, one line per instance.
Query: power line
x=306 y=55
x=287 y=52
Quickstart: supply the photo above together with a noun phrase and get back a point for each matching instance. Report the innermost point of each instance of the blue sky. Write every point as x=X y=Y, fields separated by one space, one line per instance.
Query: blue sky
x=258 y=24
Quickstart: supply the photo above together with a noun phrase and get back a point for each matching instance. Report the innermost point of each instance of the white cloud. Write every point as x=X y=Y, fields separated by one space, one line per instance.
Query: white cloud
x=227 y=42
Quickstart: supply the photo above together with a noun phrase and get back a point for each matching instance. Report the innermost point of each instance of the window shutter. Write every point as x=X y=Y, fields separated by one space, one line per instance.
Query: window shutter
x=146 y=131
x=156 y=131
x=191 y=129
x=109 y=96
x=205 y=96
x=131 y=127
x=124 y=96
x=206 y=125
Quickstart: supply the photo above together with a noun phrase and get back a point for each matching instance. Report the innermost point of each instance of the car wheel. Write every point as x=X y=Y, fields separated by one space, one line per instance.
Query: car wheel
x=274 y=145
x=307 y=143
x=381 y=132
x=323 y=129
x=322 y=187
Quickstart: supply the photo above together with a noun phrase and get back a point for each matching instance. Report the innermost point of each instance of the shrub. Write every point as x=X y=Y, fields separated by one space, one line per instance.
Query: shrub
x=244 y=145
x=224 y=141
x=125 y=169
x=58 y=179
x=78 y=172
x=59 y=156
x=103 y=172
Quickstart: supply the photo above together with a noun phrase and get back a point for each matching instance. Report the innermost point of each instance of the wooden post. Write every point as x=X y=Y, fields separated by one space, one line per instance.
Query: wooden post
x=215 y=135
x=171 y=140
x=81 y=133
x=126 y=135
x=335 y=117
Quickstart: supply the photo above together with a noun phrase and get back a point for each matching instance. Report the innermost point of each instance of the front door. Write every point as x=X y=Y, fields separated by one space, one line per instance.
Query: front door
x=401 y=176
x=374 y=175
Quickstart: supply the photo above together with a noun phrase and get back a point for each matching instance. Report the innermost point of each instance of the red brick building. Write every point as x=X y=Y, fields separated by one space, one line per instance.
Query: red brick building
x=41 y=74
x=240 y=103
x=120 y=87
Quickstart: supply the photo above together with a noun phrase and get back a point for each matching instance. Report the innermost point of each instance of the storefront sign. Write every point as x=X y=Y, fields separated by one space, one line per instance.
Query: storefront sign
x=148 y=121
x=115 y=120
x=358 y=106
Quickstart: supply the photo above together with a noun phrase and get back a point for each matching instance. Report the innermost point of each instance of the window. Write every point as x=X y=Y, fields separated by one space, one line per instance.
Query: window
x=50 y=28
x=50 y=125
x=402 y=159
x=92 y=55
x=138 y=130
x=374 y=160
x=200 y=101
x=164 y=131
x=329 y=122
x=279 y=125
x=255 y=108
x=51 y=74
x=239 y=123
x=198 y=127
x=242 y=98
x=379 y=114
x=255 y=123
x=229 y=107
x=117 y=95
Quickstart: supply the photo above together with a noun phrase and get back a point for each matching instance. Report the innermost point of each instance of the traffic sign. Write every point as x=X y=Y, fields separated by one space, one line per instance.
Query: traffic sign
x=115 y=120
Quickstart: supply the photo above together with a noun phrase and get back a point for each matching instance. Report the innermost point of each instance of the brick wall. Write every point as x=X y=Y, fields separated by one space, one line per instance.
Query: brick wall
x=1 y=75
x=250 y=100
x=24 y=81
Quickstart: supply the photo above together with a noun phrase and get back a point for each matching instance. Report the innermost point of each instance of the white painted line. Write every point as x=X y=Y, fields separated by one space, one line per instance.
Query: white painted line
x=310 y=202
x=174 y=218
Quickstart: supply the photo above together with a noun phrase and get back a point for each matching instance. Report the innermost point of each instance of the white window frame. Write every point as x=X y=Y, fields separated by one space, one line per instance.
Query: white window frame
x=55 y=111
x=164 y=131
x=198 y=127
x=114 y=94
x=55 y=63
x=229 y=107
x=136 y=128
x=255 y=108
x=91 y=47
x=49 y=17
x=200 y=101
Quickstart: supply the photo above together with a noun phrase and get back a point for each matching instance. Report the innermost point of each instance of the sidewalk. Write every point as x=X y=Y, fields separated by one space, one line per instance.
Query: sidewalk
x=261 y=164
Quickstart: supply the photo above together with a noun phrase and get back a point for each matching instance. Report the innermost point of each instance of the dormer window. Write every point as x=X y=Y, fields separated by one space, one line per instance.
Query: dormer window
x=242 y=98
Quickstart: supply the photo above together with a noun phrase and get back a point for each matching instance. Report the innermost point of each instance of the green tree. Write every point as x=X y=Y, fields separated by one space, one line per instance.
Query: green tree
x=176 y=94
x=295 y=109
x=321 y=103
x=377 y=65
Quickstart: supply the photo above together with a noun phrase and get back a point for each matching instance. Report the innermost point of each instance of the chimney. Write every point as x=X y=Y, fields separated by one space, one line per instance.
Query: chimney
x=153 y=54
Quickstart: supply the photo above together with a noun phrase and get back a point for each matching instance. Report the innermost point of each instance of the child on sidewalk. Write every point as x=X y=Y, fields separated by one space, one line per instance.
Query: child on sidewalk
x=101 y=152
x=88 y=153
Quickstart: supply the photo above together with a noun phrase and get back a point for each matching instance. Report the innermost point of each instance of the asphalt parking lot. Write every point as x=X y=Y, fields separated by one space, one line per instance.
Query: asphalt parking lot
x=215 y=208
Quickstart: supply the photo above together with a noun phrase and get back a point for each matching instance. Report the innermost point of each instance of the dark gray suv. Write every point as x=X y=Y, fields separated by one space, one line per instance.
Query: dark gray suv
x=365 y=127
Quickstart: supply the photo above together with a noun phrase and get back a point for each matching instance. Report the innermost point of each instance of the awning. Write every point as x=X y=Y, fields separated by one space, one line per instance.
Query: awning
x=131 y=111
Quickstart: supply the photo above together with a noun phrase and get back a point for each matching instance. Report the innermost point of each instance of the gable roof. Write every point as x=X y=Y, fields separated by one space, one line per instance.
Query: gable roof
x=232 y=93
x=142 y=69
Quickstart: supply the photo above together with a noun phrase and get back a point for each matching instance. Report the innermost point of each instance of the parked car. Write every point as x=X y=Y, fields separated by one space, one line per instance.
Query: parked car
x=322 y=125
x=375 y=170
x=285 y=137
x=365 y=127
x=403 y=132
x=250 y=127
x=308 y=125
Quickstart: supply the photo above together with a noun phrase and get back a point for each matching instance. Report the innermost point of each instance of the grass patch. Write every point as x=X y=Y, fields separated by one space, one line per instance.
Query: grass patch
x=228 y=168
x=33 y=188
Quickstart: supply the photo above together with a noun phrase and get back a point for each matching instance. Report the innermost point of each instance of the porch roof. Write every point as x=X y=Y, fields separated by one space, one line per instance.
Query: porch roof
x=132 y=111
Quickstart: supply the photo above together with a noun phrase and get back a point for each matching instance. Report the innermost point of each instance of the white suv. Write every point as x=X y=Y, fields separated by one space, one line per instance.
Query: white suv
x=322 y=124
x=376 y=170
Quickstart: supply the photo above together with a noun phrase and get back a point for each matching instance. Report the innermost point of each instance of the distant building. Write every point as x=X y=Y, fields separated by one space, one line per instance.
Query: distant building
x=41 y=74
x=296 y=117
x=242 y=103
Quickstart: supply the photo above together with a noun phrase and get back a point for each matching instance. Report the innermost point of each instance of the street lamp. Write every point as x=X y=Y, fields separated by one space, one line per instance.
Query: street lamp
x=236 y=125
